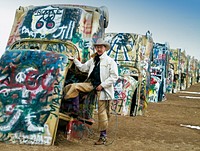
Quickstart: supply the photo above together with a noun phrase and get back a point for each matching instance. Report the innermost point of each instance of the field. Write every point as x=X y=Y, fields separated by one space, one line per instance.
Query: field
x=164 y=127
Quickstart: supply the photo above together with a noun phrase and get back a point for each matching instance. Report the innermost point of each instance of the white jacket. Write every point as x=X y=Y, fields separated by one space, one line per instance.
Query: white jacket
x=108 y=74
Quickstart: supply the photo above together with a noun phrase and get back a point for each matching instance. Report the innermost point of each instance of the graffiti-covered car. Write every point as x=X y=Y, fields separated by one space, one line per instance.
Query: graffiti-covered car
x=159 y=72
x=184 y=68
x=193 y=70
x=174 y=59
x=132 y=54
x=35 y=68
x=198 y=71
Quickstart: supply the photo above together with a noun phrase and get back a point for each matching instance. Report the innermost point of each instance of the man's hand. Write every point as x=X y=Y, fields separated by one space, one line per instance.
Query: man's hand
x=99 y=88
x=71 y=58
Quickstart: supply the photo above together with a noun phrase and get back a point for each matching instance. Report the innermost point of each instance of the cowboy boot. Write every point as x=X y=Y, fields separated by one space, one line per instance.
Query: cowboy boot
x=103 y=138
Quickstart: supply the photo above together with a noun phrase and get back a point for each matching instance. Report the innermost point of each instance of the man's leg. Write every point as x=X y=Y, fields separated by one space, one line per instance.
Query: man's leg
x=102 y=114
x=72 y=90
x=103 y=108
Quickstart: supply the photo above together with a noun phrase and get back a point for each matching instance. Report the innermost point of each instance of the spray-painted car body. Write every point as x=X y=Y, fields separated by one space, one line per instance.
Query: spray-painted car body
x=194 y=63
x=80 y=25
x=159 y=70
x=198 y=71
x=34 y=67
x=132 y=54
x=175 y=61
x=189 y=74
x=170 y=78
x=184 y=68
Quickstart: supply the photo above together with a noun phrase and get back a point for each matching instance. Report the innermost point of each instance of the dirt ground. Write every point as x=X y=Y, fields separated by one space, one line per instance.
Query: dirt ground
x=158 y=130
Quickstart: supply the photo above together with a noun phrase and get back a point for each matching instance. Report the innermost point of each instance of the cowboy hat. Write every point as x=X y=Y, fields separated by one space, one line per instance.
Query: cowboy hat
x=100 y=41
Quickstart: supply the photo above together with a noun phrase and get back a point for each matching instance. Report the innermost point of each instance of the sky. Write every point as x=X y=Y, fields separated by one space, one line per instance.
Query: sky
x=176 y=22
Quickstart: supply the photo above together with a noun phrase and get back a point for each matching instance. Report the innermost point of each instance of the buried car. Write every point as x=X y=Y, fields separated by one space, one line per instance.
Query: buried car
x=35 y=68
x=159 y=72
x=132 y=54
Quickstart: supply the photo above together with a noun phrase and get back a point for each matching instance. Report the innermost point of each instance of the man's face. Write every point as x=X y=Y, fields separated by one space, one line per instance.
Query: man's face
x=100 y=49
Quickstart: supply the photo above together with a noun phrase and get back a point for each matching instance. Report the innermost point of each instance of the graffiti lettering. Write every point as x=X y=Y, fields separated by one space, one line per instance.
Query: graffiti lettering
x=31 y=34
x=27 y=31
x=65 y=31
x=40 y=12
x=31 y=139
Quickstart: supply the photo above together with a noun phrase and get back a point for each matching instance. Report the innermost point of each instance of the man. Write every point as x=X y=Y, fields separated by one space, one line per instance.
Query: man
x=102 y=74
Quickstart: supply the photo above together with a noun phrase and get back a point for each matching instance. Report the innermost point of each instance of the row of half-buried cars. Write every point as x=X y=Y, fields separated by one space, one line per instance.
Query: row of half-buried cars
x=35 y=68
x=154 y=69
